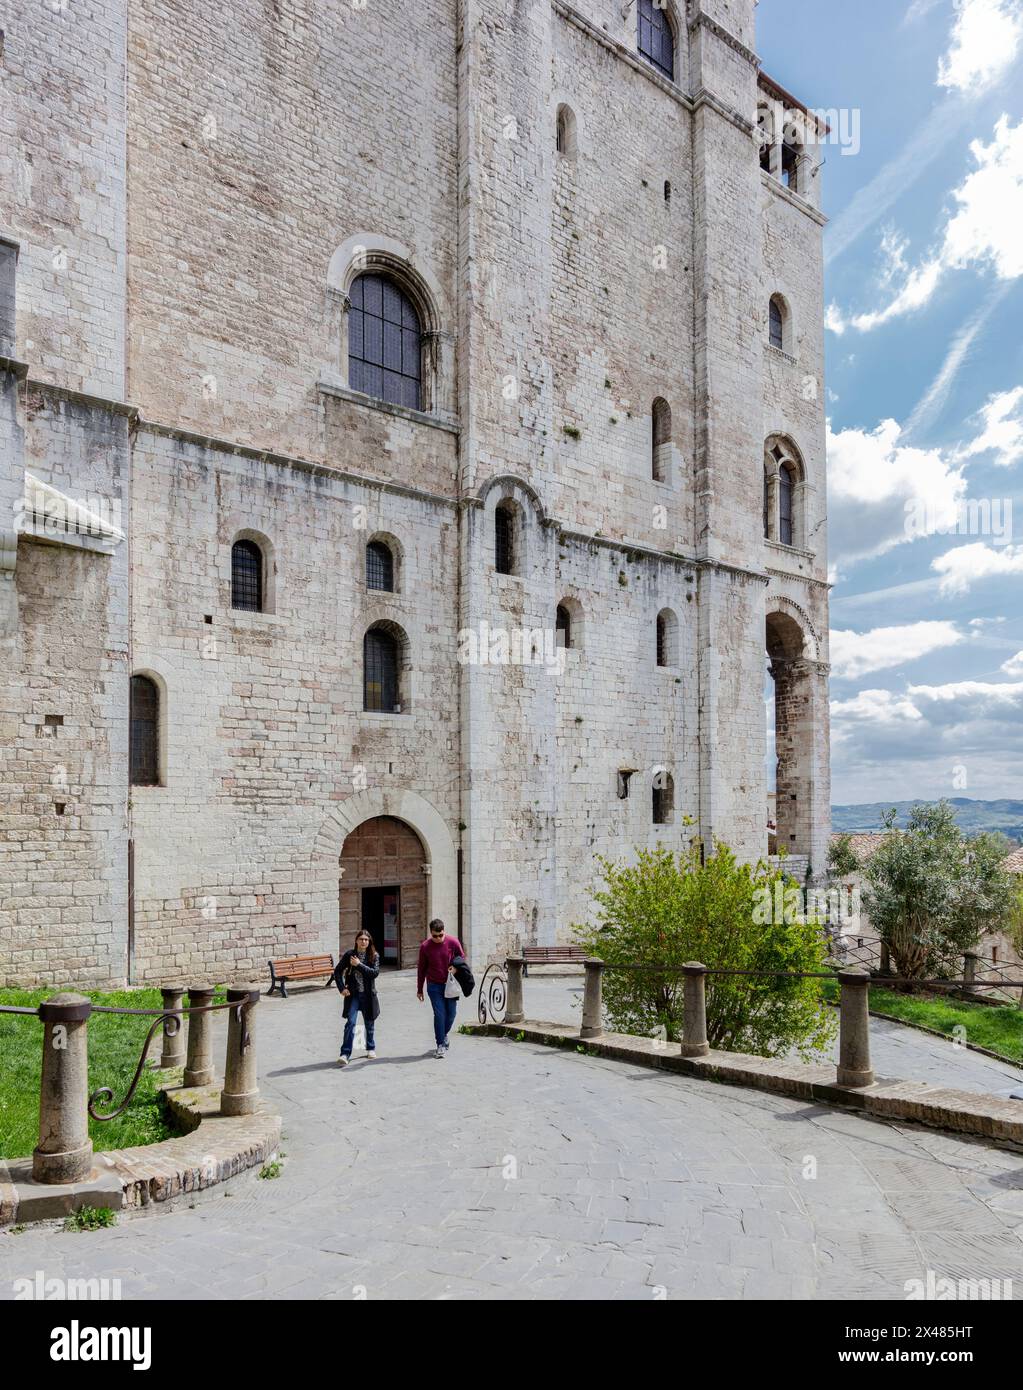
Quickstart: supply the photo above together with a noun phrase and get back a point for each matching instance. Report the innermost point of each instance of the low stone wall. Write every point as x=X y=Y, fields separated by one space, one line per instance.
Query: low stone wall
x=961 y=1112
x=214 y=1148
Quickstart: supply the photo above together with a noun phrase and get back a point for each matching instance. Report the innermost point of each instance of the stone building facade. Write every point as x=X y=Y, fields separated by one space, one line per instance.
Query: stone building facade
x=604 y=510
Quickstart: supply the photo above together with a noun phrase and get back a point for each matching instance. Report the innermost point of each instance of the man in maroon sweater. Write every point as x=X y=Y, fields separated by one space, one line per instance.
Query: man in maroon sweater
x=435 y=969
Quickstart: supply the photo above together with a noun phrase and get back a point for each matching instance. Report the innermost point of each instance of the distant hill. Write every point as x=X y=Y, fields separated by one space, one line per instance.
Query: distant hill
x=973 y=816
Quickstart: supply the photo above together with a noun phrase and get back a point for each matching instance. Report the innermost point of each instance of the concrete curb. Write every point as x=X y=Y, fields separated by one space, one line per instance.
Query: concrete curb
x=214 y=1148
x=960 y=1112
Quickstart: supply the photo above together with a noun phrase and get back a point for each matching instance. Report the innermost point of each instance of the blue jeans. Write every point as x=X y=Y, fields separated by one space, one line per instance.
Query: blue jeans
x=443 y=1012
x=350 y=1022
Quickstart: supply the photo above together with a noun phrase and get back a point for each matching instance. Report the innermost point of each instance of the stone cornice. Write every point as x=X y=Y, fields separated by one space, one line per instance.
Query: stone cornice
x=799 y=578
x=66 y=393
x=704 y=21
x=619 y=50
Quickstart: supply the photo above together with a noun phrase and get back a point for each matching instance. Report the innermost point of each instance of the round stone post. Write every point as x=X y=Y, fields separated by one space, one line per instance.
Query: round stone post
x=173 y=1054
x=240 y=1095
x=199 y=1063
x=64 y=1151
x=593 y=1010
x=513 y=1012
x=694 y=1010
x=970 y=971
x=854 y=1029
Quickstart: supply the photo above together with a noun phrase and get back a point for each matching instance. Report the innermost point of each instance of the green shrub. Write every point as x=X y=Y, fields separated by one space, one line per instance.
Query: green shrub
x=664 y=910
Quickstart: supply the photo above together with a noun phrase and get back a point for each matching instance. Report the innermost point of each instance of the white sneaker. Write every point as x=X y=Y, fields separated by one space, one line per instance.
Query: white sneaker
x=342 y=1061
x=440 y=1052
x=371 y=1056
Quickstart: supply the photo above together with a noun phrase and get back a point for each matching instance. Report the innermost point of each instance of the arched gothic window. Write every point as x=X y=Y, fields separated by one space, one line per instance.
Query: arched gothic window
x=247 y=576
x=144 y=733
x=656 y=40
x=379 y=567
x=384 y=342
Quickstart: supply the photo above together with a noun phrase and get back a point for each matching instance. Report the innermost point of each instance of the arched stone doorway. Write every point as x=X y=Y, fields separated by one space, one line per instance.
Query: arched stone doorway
x=383 y=887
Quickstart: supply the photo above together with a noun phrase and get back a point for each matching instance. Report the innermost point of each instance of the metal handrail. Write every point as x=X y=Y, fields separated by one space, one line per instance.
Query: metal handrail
x=830 y=974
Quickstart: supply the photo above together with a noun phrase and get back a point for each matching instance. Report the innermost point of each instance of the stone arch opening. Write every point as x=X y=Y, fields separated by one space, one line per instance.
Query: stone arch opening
x=790 y=737
x=383 y=887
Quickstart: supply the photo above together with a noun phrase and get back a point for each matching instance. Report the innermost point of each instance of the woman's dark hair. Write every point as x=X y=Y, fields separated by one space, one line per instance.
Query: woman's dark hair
x=371 y=954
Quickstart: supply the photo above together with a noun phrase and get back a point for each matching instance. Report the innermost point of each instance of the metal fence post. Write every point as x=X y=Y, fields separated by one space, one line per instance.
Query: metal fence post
x=694 y=1010
x=64 y=1151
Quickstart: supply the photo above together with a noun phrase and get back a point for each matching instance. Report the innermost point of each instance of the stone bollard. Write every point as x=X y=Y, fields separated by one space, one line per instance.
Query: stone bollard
x=854 y=1029
x=240 y=1095
x=513 y=1011
x=173 y=1054
x=970 y=971
x=64 y=1151
x=694 y=1010
x=593 y=1004
x=199 y=1063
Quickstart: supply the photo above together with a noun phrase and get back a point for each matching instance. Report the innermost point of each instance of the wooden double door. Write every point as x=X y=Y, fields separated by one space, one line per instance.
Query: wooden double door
x=383 y=889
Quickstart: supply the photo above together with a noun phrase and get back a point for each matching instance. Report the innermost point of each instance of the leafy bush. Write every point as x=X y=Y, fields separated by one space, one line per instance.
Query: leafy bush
x=664 y=910
x=932 y=892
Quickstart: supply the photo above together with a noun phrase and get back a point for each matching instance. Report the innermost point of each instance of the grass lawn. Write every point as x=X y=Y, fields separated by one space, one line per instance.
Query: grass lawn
x=114 y=1046
x=999 y=1029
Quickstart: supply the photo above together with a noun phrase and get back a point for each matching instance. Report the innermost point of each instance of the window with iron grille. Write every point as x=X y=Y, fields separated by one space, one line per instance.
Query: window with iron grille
x=247 y=576
x=504 y=539
x=663 y=798
x=380 y=656
x=785 y=504
x=656 y=41
x=777 y=325
x=384 y=342
x=379 y=566
x=563 y=626
x=662 y=640
x=144 y=732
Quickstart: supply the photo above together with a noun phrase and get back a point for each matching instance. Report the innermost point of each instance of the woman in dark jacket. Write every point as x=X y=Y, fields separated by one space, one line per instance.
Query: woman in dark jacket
x=356 y=978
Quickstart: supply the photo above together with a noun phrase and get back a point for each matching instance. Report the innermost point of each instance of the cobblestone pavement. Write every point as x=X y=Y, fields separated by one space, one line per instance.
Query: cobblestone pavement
x=509 y=1170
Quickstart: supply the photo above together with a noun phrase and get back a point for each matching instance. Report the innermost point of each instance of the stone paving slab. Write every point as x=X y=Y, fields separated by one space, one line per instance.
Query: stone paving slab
x=550 y=1174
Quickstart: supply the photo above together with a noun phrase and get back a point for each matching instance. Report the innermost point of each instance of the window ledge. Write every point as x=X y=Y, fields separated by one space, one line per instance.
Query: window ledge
x=790 y=550
x=389 y=719
x=417 y=417
x=780 y=352
x=797 y=201
x=243 y=618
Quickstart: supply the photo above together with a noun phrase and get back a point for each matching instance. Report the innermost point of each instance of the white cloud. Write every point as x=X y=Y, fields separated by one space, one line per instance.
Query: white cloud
x=855 y=654
x=984 y=230
x=1014 y=665
x=1002 y=432
x=966 y=565
x=873 y=707
x=874 y=479
x=985 y=41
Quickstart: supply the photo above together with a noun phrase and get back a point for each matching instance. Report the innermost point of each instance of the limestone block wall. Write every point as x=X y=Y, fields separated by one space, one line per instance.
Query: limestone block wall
x=265 y=733
x=62 y=171
x=63 y=717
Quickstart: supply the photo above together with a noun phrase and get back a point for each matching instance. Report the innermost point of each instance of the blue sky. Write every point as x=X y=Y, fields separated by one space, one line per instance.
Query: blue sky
x=924 y=288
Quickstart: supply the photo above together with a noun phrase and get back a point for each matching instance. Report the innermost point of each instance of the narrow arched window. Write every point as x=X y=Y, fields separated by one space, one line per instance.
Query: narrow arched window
x=384 y=342
x=247 y=576
x=791 y=155
x=563 y=627
x=777 y=325
x=785 y=490
x=667 y=191
x=381 y=663
x=656 y=41
x=765 y=135
x=660 y=461
x=663 y=798
x=144 y=733
x=379 y=567
x=504 y=538
x=667 y=638
x=767 y=504
x=565 y=132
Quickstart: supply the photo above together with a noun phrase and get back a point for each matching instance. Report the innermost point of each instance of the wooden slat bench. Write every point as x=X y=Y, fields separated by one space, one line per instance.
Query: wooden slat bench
x=551 y=955
x=298 y=968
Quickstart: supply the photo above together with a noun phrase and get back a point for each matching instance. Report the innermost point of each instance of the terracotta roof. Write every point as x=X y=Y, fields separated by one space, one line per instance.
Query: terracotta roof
x=1014 y=861
x=864 y=846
